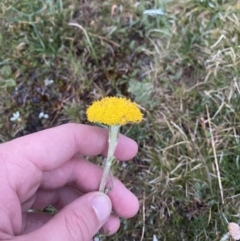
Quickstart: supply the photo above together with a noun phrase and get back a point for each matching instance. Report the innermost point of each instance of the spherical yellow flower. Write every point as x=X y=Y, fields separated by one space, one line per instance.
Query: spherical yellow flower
x=114 y=111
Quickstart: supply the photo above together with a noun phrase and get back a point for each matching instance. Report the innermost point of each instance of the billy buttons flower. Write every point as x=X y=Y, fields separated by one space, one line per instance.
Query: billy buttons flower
x=115 y=112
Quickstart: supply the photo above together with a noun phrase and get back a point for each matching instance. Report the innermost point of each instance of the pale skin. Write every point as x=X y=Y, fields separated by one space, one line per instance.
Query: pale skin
x=49 y=167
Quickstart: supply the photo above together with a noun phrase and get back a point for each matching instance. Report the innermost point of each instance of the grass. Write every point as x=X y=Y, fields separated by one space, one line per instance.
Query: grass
x=182 y=67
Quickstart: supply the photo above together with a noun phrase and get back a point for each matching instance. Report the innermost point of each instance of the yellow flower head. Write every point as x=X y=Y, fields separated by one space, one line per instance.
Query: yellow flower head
x=114 y=111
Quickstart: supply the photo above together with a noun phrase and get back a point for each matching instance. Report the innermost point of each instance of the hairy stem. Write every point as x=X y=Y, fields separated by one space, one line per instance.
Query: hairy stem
x=112 y=143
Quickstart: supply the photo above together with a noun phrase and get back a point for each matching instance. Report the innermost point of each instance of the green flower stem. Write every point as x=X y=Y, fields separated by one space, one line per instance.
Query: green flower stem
x=112 y=143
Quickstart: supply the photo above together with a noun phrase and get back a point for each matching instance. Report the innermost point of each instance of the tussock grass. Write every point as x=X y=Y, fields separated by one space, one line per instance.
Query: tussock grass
x=181 y=67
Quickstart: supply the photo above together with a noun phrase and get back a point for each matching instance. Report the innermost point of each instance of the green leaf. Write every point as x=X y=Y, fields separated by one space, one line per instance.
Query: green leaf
x=6 y=70
x=141 y=90
x=7 y=83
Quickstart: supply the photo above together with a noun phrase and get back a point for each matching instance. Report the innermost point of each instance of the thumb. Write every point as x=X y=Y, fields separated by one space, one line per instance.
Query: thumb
x=78 y=221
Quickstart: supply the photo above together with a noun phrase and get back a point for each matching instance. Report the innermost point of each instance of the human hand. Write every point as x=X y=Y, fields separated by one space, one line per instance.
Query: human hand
x=48 y=167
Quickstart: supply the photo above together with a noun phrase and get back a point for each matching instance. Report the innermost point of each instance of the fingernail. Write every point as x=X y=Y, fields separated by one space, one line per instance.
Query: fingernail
x=104 y=232
x=101 y=206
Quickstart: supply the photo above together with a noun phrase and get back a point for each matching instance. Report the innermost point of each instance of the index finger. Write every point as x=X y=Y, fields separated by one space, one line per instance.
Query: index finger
x=51 y=148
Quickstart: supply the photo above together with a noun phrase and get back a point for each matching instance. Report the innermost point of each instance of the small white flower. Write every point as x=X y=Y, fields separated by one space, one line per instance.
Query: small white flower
x=15 y=116
x=48 y=82
x=43 y=115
